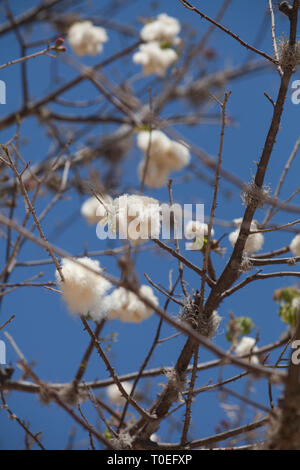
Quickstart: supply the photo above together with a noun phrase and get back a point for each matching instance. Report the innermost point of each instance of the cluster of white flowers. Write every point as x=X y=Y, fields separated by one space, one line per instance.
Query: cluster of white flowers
x=164 y=155
x=157 y=54
x=126 y=306
x=114 y=394
x=86 y=39
x=295 y=245
x=254 y=242
x=246 y=345
x=82 y=289
x=164 y=29
x=85 y=293
x=136 y=218
x=154 y=58
x=95 y=209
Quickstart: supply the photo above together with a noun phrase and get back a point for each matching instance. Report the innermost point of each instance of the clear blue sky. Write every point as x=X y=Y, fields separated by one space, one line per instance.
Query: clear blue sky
x=43 y=329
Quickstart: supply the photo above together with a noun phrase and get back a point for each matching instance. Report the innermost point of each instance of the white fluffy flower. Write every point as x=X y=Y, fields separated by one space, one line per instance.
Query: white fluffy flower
x=86 y=39
x=160 y=143
x=154 y=58
x=164 y=29
x=95 y=211
x=254 y=242
x=136 y=218
x=82 y=289
x=195 y=228
x=177 y=157
x=126 y=306
x=114 y=394
x=165 y=155
x=295 y=245
x=245 y=346
x=156 y=177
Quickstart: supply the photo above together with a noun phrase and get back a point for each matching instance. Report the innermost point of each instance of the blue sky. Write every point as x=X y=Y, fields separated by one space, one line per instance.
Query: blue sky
x=43 y=329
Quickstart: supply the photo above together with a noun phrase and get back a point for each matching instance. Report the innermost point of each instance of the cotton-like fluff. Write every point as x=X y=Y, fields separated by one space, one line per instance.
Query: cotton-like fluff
x=95 y=211
x=135 y=218
x=126 y=306
x=164 y=156
x=195 y=228
x=208 y=327
x=86 y=39
x=156 y=142
x=164 y=29
x=156 y=176
x=114 y=394
x=167 y=153
x=178 y=156
x=295 y=245
x=253 y=243
x=81 y=288
x=246 y=345
x=154 y=58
